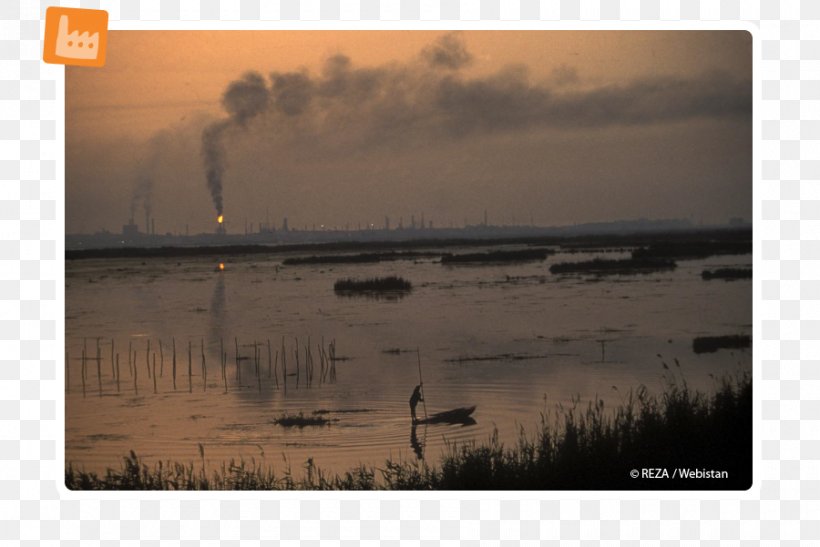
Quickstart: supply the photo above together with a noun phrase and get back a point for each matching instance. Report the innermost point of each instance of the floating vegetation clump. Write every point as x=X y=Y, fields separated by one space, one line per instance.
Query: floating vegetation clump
x=300 y=420
x=397 y=351
x=373 y=285
x=624 y=266
x=710 y=344
x=499 y=357
x=727 y=274
x=492 y=257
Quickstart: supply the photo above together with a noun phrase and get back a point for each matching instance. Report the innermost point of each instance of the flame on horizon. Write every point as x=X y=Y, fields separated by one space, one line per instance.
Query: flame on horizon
x=221 y=266
x=220 y=219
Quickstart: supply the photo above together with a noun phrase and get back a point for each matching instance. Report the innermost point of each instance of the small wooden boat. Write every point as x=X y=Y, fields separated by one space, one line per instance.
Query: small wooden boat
x=454 y=416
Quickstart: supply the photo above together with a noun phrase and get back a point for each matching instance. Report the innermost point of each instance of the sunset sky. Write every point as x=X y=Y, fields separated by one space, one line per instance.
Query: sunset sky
x=345 y=127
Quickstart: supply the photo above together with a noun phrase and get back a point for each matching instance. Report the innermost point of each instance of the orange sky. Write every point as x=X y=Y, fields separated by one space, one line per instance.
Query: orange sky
x=134 y=129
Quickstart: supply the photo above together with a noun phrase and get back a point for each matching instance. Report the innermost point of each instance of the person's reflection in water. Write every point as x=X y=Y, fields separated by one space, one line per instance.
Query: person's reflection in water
x=418 y=446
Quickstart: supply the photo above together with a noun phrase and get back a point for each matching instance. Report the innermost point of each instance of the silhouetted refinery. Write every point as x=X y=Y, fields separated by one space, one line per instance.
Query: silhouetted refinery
x=680 y=233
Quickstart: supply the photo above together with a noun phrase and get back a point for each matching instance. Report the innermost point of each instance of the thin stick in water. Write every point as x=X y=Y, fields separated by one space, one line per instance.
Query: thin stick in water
x=276 y=369
x=296 y=352
x=154 y=372
x=258 y=358
x=333 y=361
x=204 y=368
x=238 y=373
x=174 y=362
x=321 y=363
x=224 y=359
x=82 y=369
x=136 y=391
x=270 y=371
x=190 y=380
x=99 y=372
x=284 y=367
x=421 y=383
x=222 y=362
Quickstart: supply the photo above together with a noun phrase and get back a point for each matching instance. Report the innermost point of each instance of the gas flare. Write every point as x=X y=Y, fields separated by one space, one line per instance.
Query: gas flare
x=220 y=219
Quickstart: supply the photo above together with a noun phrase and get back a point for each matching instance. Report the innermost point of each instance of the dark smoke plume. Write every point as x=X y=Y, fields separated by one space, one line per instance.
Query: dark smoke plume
x=431 y=98
x=447 y=52
x=147 y=171
x=243 y=100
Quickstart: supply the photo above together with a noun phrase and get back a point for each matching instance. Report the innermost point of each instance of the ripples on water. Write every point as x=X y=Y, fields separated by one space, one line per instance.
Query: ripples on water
x=511 y=339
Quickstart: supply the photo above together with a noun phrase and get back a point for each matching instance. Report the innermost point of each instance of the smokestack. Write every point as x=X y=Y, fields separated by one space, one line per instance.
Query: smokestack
x=153 y=227
x=147 y=223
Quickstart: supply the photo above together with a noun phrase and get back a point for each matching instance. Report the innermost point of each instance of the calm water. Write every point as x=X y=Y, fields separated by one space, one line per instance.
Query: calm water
x=513 y=340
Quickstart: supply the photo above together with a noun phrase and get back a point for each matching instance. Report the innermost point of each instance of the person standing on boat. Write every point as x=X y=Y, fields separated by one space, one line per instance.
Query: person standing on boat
x=414 y=400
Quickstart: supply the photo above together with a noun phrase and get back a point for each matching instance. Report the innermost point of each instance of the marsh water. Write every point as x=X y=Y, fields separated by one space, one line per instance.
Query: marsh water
x=513 y=340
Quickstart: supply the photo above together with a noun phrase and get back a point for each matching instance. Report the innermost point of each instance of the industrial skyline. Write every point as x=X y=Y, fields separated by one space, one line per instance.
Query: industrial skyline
x=335 y=128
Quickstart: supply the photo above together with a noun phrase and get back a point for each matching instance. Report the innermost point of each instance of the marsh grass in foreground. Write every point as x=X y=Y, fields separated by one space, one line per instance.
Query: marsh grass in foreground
x=574 y=448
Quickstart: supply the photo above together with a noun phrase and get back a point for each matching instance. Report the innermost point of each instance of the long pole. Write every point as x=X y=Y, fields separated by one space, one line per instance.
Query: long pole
x=421 y=383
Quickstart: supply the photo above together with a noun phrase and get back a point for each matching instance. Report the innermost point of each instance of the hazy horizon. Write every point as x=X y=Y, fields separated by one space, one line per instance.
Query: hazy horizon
x=343 y=128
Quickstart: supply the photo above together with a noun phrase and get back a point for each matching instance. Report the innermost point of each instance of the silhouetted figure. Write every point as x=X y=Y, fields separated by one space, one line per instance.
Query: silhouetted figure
x=414 y=400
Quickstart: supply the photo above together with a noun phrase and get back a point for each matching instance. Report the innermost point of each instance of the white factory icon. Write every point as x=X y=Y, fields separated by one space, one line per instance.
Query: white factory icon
x=76 y=45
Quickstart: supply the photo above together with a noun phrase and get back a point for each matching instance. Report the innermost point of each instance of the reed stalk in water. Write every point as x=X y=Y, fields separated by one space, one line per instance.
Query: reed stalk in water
x=190 y=372
x=174 y=361
x=82 y=370
x=99 y=372
x=204 y=368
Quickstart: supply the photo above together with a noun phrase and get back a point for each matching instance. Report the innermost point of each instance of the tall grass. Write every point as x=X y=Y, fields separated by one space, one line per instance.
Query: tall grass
x=573 y=448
